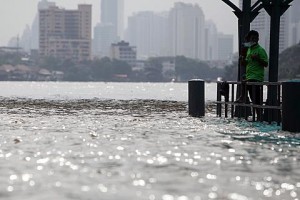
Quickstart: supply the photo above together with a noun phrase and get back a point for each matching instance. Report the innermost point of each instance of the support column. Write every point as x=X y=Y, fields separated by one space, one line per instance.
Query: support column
x=275 y=9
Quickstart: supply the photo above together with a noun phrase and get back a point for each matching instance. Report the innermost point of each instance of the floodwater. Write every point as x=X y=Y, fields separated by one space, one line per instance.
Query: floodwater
x=135 y=141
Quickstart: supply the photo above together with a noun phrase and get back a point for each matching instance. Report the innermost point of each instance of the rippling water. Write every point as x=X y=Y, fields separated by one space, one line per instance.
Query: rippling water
x=130 y=148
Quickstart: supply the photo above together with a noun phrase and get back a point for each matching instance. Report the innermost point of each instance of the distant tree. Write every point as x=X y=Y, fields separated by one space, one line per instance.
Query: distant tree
x=81 y=71
x=187 y=68
x=66 y=65
x=10 y=58
x=289 y=63
x=102 y=69
x=121 y=67
x=153 y=70
x=51 y=63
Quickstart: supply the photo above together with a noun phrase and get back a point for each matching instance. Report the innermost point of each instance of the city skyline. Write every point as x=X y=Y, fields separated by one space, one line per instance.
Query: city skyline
x=16 y=28
x=183 y=30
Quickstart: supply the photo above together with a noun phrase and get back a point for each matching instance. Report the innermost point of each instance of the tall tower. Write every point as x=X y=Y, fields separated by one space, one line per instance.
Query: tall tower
x=148 y=32
x=294 y=23
x=112 y=12
x=211 y=41
x=187 y=30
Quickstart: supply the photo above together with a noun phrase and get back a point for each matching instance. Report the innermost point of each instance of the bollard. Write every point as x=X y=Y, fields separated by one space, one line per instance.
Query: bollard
x=196 y=98
x=291 y=106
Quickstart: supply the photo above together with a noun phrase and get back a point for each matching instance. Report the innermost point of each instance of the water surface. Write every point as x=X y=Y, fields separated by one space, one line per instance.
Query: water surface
x=70 y=143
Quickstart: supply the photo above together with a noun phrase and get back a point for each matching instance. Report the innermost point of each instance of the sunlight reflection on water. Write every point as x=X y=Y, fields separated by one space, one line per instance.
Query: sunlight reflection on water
x=139 y=149
x=136 y=141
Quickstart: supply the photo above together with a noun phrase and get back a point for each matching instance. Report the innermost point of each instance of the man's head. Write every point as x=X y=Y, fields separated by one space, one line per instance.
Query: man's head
x=253 y=36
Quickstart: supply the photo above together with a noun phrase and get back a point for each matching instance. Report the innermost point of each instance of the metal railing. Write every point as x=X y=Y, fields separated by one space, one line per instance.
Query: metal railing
x=269 y=110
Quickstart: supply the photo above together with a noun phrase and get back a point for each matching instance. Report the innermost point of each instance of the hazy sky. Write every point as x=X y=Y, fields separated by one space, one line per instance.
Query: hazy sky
x=16 y=14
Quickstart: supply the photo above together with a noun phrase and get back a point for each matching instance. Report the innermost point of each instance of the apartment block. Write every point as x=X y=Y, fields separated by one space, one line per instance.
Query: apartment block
x=124 y=52
x=148 y=32
x=66 y=34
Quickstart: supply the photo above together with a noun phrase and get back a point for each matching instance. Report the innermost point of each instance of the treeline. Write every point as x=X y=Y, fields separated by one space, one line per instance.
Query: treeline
x=107 y=69
x=289 y=63
x=97 y=70
x=10 y=59
x=158 y=69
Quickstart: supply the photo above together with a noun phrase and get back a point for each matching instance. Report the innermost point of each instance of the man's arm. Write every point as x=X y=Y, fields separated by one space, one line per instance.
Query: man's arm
x=259 y=60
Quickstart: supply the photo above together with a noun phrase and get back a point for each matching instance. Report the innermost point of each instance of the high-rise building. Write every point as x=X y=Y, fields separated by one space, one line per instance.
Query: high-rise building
x=148 y=32
x=225 y=46
x=112 y=12
x=294 y=10
x=294 y=23
x=187 y=31
x=66 y=34
x=104 y=36
x=294 y=34
x=111 y=27
x=44 y=4
x=211 y=41
x=30 y=37
x=25 y=40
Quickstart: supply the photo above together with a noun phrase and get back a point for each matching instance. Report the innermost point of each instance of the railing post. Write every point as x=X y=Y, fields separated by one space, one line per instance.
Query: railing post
x=232 y=100
x=219 y=98
x=291 y=106
x=196 y=98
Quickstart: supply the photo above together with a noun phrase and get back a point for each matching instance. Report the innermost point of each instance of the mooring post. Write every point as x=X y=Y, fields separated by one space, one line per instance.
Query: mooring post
x=291 y=106
x=196 y=95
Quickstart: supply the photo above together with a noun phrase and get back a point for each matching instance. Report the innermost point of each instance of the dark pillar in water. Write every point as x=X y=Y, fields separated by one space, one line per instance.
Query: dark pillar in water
x=196 y=98
x=291 y=106
x=275 y=8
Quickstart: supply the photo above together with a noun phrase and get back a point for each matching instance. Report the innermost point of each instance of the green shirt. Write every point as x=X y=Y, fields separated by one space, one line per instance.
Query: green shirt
x=254 y=70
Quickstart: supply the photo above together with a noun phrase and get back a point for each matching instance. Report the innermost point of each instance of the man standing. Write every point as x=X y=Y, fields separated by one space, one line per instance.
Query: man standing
x=256 y=60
